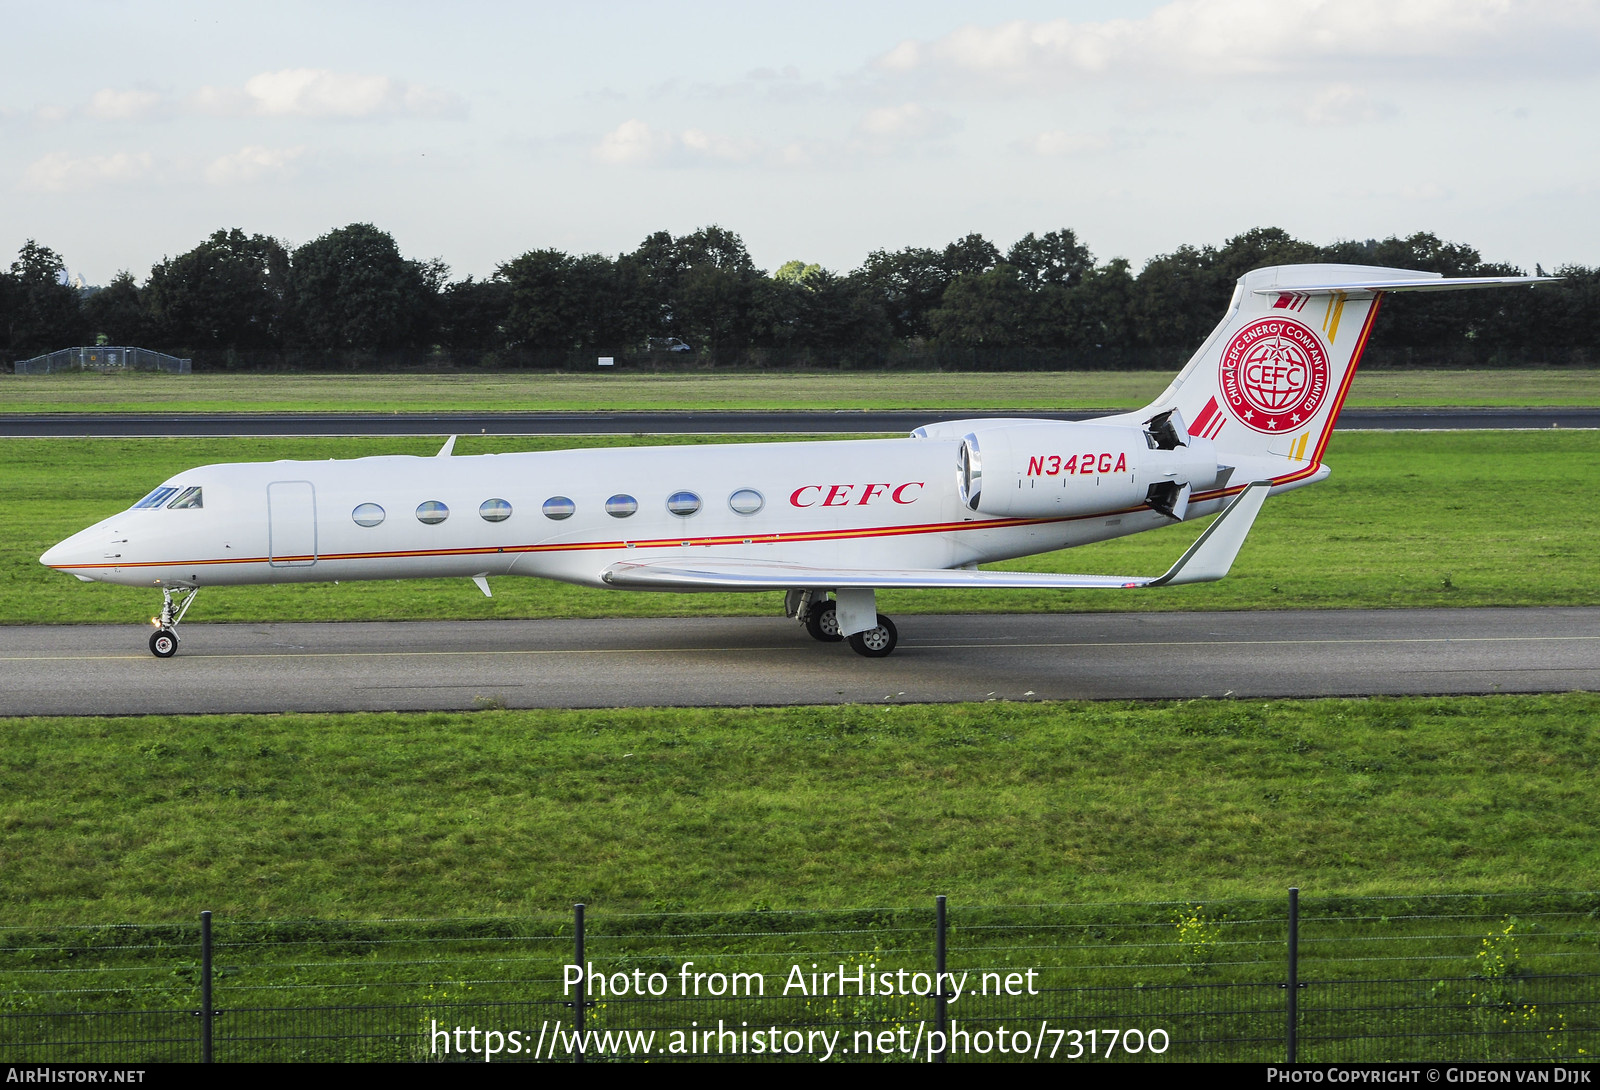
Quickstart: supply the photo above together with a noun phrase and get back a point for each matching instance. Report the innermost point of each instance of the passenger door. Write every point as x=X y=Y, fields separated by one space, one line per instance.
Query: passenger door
x=291 y=524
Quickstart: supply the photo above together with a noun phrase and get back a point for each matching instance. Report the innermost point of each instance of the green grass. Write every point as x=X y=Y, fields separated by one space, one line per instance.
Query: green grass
x=141 y=392
x=503 y=812
x=1406 y=520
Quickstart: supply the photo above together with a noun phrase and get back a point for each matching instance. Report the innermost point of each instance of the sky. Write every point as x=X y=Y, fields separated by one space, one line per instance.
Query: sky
x=475 y=132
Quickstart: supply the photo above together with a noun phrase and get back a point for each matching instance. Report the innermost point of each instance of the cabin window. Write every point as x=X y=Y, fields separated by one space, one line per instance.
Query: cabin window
x=559 y=507
x=188 y=501
x=432 y=512
x=368 y=514
x=621 y=506
x=157 y=498
x=683 y=504
x=746 y=501
x=494 y=510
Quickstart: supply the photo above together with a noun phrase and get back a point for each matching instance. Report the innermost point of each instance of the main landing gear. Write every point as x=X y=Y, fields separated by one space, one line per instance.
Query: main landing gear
x=820 y=615
x=175 y=602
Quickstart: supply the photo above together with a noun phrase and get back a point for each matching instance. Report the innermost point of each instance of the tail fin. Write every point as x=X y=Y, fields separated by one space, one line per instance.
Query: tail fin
x=1273 y=375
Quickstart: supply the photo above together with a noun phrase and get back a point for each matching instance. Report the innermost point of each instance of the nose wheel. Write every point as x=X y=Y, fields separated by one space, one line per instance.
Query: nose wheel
x=174 y=604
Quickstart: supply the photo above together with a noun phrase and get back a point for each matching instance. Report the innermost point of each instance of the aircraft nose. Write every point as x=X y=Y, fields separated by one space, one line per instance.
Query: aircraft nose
x=75 y=550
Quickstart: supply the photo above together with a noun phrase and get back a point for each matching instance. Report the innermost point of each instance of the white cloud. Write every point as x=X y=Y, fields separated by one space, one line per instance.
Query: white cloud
x=113 y=105
x=633 y=143
x=1061 y=142
x=59 y=172
x=1210 y=38
x=251 y=164
x=714 y=146
x=1343 y=104
x=906 y=122
x=317 y=92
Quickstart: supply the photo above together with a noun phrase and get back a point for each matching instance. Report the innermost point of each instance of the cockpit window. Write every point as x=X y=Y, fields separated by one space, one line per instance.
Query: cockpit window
x=188 y=500
x=157 y=498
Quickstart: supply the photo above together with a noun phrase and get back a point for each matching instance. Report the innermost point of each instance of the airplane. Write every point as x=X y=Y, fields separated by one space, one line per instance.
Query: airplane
x=828 y=522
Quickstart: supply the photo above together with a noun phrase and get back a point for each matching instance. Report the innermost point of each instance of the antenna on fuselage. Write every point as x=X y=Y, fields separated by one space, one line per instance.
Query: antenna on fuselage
x=449 y=445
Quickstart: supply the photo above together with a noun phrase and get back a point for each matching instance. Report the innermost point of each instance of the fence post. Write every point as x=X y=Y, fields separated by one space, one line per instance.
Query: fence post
x=205 y=987
x=1294 y=968
x=939 y=978
x=580 y=1004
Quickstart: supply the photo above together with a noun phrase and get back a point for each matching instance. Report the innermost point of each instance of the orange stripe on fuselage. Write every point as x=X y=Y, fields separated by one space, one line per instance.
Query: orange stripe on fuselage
x=655 y=543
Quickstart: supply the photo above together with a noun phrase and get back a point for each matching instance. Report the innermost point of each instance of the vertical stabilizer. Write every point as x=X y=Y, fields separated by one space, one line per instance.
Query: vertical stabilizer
x=1271 y=378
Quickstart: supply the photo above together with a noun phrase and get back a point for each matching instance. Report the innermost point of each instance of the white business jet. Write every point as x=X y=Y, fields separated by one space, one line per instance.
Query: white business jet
x=1248 y=417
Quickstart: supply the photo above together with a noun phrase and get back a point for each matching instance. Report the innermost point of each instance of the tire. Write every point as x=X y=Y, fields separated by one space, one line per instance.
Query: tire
x=875 y=643
x=164 y=643
x=823 y=623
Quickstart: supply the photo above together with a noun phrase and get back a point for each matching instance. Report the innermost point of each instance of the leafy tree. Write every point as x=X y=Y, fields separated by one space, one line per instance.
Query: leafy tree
x=796 y=272
x=1098 y=314
x=1057 y=258
x=226 y=293
x=541 y=309
x=817 y=314
x=1177 y=299
x=970 y=255
x=38 y=309
x=474 y=315
x=117 y=312
x=993 y=309
x=907 y=284
x=1256 y=249
x=714 y=300
x=351 y=290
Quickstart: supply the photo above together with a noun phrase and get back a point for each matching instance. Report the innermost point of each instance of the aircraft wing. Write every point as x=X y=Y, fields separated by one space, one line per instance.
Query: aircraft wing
x=1208 y=559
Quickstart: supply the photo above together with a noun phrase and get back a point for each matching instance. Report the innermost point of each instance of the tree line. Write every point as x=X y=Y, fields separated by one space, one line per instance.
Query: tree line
x=350 y=300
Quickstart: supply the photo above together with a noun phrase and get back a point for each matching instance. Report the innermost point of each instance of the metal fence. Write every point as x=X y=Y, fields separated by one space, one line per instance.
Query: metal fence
x=101 y=358
x=1436 y=978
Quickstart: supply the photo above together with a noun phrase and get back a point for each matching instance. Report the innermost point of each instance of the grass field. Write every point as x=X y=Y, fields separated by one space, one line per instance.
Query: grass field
x=1406 y=520
x=141 y=392
x=508 y=812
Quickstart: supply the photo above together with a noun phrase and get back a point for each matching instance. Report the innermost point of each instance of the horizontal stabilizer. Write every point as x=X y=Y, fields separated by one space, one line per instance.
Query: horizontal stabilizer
x=1429 y=283
x=1209 y=558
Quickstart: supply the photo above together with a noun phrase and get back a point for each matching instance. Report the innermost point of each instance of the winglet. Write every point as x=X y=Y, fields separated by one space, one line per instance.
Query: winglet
x=1209 y=558
x=449 y=445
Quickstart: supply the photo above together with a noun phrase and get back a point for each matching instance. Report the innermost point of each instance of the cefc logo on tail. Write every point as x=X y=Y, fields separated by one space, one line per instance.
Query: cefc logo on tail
x=1274 y=374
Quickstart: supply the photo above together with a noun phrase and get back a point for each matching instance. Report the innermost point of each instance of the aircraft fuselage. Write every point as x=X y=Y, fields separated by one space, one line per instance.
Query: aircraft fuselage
x=570 y=514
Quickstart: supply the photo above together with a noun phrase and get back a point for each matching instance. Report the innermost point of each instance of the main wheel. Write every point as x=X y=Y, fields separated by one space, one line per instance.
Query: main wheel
x=876 y=642
x=822 y=621
x=164 y=643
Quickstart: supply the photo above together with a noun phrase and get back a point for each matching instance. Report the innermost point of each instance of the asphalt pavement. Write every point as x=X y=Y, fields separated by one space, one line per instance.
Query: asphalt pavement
x=743 y=661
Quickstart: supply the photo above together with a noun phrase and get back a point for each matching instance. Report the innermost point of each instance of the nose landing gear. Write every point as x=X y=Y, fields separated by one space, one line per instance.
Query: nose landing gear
x=175 y=602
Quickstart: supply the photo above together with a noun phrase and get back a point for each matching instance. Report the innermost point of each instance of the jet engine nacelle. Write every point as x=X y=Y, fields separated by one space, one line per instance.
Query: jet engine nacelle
x=1063 y=469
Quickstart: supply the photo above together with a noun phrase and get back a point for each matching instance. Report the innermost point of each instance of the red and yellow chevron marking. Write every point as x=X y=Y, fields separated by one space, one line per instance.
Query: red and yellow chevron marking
x=1208 y=425
x=1335 y=311
x=1349 y=376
